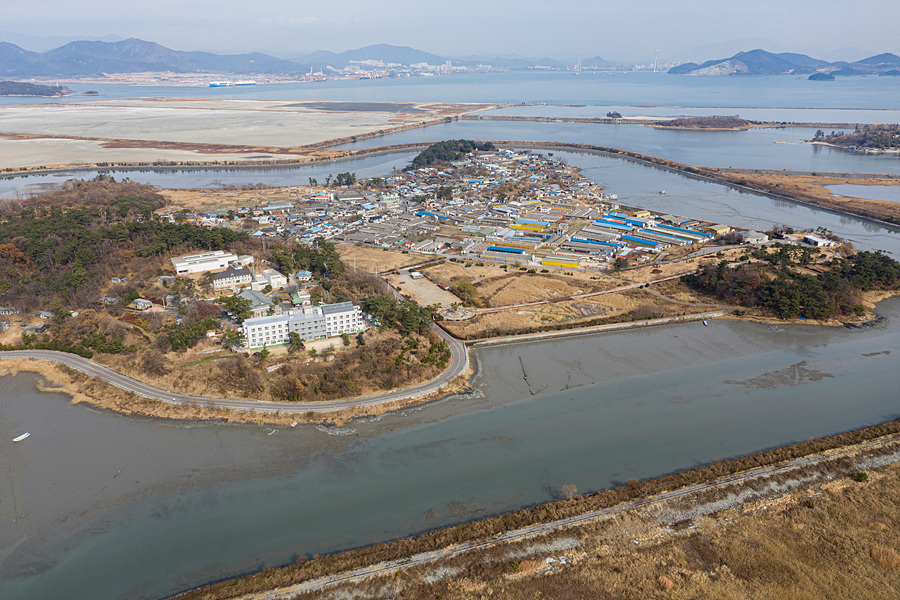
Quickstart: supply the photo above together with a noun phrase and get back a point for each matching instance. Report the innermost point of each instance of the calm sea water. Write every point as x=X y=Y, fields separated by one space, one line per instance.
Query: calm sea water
x=873 y=192
x=97 y=505
x=157 y=507
x=615 y=89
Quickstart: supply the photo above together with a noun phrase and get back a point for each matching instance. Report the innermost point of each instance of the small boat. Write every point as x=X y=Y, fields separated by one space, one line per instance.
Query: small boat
x=662 y=192
x=21 y=437
x=294 y=424
x=705 y=323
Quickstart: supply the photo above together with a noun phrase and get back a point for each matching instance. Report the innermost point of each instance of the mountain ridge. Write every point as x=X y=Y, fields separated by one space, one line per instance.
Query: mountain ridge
x=761 y=62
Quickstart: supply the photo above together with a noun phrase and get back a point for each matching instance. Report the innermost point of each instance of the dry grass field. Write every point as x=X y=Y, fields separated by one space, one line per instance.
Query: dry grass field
x=211 y=200
x=814 y=531
x=607 y=308
x=835 y=541
x=371 y=260
x=517 y=288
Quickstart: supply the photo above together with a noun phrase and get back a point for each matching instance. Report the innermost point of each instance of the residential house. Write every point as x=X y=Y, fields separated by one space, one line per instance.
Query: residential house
x=260 y=304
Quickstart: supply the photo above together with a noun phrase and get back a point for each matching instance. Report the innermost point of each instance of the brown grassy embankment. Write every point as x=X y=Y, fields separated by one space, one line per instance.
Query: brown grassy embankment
x=811 y=188
x=96 y=392
x=822 y=539
x=306 y=570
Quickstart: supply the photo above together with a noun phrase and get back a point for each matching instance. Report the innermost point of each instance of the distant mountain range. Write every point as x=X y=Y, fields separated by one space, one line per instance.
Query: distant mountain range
x=760 y=62
x=79 y=59
x=95 y=58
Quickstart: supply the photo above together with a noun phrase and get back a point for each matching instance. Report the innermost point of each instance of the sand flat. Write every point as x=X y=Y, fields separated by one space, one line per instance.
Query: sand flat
x=81 y=132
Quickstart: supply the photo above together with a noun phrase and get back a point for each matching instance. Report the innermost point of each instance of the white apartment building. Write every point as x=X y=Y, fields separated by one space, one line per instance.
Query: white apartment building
x=309 y=322
x=200 y=263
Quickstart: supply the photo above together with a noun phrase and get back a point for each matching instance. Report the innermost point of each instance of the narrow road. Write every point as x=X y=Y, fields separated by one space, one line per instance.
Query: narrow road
x=459 y=363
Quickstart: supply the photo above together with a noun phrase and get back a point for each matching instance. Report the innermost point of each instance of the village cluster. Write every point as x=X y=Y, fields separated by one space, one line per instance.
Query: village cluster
x=504 y=206
x=501 y=206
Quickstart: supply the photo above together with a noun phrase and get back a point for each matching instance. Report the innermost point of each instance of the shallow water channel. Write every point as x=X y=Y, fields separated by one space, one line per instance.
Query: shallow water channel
x=97 y=505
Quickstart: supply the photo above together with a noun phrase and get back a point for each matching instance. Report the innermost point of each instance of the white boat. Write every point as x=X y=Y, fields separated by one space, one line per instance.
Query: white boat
x=705 y=323
x=21 y=437
x=294 y=424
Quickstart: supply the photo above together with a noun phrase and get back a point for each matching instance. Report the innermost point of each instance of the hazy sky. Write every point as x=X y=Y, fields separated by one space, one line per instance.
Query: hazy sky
x=626 y=30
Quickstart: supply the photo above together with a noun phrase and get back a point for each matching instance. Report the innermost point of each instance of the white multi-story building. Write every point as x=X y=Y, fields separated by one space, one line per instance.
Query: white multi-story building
x=199 y=263
x=269 y=277
x=309 y=322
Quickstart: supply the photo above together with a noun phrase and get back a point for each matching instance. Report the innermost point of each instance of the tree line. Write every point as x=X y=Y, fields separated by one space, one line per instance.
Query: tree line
x=447 y=151
x=790 y=294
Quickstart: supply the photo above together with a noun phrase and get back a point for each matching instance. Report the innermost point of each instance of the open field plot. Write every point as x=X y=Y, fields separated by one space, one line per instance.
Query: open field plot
x=518 y=287
x=369 y=260
x=448 y=272
x=423 y=291
x=202 y=200
x=681 y=267
x=613 y=307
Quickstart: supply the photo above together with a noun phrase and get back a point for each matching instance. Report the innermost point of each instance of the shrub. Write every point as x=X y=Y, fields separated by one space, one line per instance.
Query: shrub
x=886 y=557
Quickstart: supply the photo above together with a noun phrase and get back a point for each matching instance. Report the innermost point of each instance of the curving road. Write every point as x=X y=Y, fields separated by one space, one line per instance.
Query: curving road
x=459 y=363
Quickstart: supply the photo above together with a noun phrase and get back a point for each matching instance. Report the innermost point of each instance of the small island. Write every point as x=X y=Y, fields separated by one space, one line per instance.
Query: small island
x=18 y=88
x=821 y=77
x=868 y=138
x=710 y=123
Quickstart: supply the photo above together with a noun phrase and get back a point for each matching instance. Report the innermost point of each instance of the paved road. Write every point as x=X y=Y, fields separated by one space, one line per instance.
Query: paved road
x=459 y=363
x=356 y=575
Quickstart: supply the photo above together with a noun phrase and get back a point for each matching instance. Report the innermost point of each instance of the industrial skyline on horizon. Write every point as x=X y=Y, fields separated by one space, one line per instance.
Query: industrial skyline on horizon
x=679 y=30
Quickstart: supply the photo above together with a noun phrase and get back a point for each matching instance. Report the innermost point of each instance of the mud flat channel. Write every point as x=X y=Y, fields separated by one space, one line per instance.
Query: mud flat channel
x=97 y=505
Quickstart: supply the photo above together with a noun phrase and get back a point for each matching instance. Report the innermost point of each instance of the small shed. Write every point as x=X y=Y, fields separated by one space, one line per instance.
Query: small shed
x=142 y=304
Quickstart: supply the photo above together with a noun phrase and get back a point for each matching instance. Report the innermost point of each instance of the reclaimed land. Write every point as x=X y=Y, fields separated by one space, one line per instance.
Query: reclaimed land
x=753 y=526
x=37 y=143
